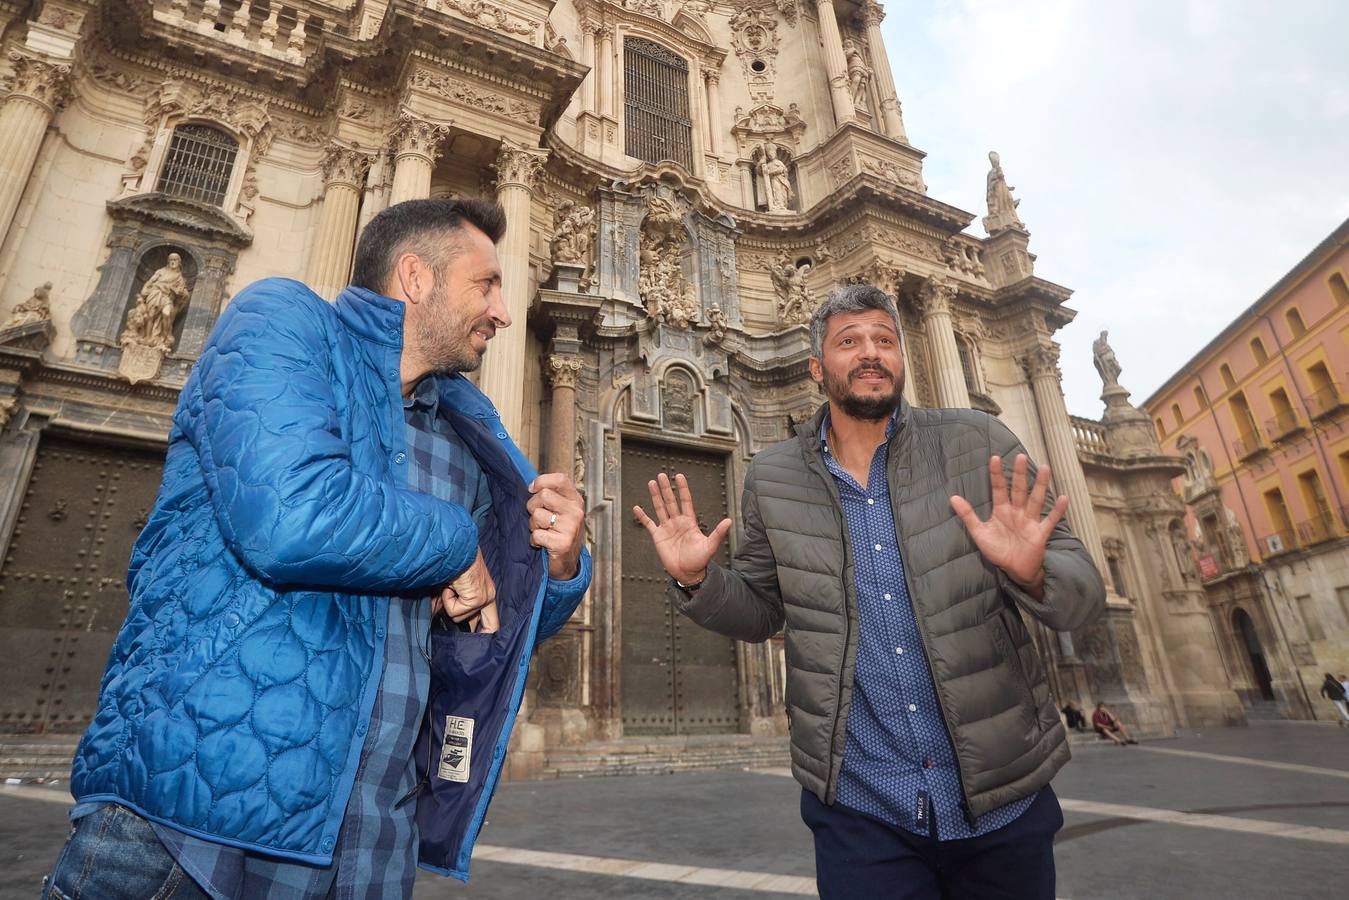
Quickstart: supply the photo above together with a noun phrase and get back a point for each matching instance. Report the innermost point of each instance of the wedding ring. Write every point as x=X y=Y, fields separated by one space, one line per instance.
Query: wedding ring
x=552 y=520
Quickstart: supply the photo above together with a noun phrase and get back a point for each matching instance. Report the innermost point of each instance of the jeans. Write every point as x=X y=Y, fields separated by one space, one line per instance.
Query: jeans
x=114 y=854
x=861 y=858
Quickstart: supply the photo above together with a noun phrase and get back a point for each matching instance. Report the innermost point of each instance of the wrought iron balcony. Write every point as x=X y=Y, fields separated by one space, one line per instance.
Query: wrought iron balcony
x=1325 y=401
x=1283 y=426
x=1278 y=542
x=1317 y=529
x=1248 y=446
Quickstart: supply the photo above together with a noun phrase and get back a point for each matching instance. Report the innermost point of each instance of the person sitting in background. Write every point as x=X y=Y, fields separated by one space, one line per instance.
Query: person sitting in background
x=1107 y=724
x=1335 y=692
x=1077 y=720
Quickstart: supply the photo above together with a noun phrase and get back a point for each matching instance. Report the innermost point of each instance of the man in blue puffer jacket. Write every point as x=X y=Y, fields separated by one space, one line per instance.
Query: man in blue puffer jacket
x=334 y=601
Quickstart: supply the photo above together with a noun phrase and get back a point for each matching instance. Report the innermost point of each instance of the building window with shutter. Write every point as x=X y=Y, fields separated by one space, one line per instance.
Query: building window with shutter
x=656 y=104
x=199 y=164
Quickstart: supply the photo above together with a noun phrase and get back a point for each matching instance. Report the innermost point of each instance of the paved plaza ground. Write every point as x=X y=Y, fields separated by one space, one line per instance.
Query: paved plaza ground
x=1257 y=812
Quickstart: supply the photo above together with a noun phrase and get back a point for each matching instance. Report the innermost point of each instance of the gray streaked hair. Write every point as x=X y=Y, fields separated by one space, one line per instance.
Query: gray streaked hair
x=850 y=298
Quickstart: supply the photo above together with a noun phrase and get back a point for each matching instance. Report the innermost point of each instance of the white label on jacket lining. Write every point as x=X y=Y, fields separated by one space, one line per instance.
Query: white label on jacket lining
x=456 y=750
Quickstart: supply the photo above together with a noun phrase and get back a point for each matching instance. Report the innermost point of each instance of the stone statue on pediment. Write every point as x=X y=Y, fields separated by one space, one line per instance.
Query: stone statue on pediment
x=1001 y=204
x=36 y=308
x=162 y=298
x=1106 y=363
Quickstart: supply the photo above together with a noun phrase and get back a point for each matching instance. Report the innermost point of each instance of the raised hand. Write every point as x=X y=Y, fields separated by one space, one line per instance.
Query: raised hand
x=1015 y=535
x=682 y=547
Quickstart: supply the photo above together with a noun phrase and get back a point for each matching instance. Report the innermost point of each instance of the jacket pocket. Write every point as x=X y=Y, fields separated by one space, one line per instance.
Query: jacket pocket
x=1012 y=655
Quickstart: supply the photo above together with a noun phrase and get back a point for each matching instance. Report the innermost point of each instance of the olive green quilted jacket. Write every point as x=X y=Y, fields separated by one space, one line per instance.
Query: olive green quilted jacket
x=792 y=569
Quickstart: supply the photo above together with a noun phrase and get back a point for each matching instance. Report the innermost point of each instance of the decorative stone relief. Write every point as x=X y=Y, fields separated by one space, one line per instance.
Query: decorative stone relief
x=36 y=308
x=665 y=292
x=963 y=258
x=573 y=238
x=148 y=335
x=345 y=165
x=452 y=88
x=767 y=123
x=518 y=165
x=841 y=171
x=1043 y=361
x=488 y=16
x=646 y=7
x=562 y=370
x=414 y=135
x=716 y=327
x=755 y=38
x=118 y=79
x=8 y=405
x=677 y=396
x=795 y=306
x=891 y=172
x=935 y=296
x=859 y=73
x=40 y=79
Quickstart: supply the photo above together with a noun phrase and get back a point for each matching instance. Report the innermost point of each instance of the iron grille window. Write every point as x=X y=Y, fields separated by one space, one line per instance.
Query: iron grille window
x=656 y=103
x=199 y=164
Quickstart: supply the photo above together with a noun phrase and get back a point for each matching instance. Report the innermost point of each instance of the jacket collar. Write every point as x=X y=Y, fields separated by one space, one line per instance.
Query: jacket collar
x=371 y=316
x=809 y=432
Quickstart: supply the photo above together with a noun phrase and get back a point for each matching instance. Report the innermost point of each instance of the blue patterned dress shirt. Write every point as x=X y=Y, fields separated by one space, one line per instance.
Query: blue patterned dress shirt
x=898 y=762
x=376 y=853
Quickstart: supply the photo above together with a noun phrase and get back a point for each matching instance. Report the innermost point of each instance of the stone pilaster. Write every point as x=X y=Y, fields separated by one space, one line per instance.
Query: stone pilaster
x=330 y=258
x=714 y=123
x=605 y=69
x=416 y=146
x=40 y=90
x=588 y=57
x=934 y=299
x=516 y=168
x=891 y=121
x=835 y=63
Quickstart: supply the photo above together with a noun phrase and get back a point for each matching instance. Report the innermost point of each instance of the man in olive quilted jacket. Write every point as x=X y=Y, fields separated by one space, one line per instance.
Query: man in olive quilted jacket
x=899 y=555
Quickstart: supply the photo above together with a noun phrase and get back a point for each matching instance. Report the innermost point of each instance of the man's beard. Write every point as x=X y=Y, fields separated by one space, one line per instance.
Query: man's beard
x=445 y=335
x=868 y=409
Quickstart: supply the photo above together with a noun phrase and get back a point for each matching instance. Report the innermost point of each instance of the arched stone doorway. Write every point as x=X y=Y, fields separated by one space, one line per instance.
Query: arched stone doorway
x=1264 y=683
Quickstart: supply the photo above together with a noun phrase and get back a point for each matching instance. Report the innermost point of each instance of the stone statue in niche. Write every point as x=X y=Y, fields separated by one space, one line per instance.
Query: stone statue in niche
x=36 y=308
x=859 y=73
x=776 y=179
x=161 y=300
x=1236 y=538
x=794 y=303
x=1001 y=204
x=664 y=290
x=1106 y=363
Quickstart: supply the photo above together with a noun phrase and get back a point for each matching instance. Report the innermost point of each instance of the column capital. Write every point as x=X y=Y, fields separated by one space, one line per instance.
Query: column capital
x=518 y=165
x=415 y=136
x=712 y=76
x=872 y=12
x=935 y=296
x=604 y=32
x=42 y=80
x=1042 y=362
x=562 y=370
x=344 y=165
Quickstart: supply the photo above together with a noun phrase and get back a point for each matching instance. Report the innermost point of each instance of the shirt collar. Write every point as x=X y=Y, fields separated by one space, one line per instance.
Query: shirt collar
x=425 y=396
x=828 y=413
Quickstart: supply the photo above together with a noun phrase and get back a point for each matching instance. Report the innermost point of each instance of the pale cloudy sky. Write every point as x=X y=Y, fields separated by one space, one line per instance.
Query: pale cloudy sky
x=1173 y=157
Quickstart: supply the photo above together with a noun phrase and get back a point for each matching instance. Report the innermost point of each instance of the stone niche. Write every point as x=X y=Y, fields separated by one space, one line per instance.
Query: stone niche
x=146 y=229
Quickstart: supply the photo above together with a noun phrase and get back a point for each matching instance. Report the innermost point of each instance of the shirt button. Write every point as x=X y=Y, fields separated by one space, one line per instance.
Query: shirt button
x=899 y=650
x=328 y=844
x=887 y=596
x=501 y=434
x=878 y=547
x=393 y=332
x=379 y=633
x=870 y=502
x=360 y=730
x=399 y=457
x=913 y=708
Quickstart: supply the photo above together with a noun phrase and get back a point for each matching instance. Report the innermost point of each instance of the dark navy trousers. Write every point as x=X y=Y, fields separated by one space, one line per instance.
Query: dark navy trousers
x=861 y=858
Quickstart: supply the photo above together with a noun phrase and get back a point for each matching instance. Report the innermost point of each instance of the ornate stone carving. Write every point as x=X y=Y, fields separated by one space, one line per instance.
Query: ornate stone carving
x=574 y=238
x=344 y=165
x=1103 y=357
x=767 y=123
x=68 y=20
x=776 y=179
x=489 y=16
x=456 y=89
x=795 y=306
x=416 y=136
x=646 y=7
x=841 y=171
x=160 y=301
x=355 y=109
x=676 y=401
x=872 y=13
x=8 y=405
x=562 y=370
x=963 y=258
x=891 y=172
x=298 y=132
x=935 y=296
x=1042 y=361
x=716 y=327
x=1001 y=204
x=40 y=80
x=517 y=165
x=664 y=290
x=36 y=308
x=117 y=79
x=755 y=38
x=859 y=73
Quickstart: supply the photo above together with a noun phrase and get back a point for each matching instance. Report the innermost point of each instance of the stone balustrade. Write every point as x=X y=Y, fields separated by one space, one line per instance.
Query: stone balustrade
x=288 y=30
x=1089 y=435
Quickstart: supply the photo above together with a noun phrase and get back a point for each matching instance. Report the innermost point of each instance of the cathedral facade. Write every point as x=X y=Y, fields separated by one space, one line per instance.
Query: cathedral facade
x=684 y=180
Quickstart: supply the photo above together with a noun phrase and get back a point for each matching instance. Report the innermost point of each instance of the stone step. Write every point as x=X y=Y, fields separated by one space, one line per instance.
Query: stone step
x=656 y=756
x=32 y=757
x=1265 y=710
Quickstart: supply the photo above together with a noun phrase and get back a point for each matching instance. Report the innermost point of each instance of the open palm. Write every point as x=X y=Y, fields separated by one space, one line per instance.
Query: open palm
x=680 y=544
x=1015 y=535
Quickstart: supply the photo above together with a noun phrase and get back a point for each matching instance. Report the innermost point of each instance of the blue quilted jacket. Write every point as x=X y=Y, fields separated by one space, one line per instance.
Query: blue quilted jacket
x=237 y=697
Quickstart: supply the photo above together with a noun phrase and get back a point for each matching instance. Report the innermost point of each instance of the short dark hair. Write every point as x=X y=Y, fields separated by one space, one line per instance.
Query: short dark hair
x=848 y=299
x=411 y=227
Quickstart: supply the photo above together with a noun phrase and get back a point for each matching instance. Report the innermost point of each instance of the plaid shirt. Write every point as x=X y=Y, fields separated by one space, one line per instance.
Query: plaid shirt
x=376 y=853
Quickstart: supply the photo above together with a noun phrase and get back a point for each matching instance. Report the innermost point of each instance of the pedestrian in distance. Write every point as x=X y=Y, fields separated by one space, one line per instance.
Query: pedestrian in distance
x=1334 y=691
x=335 y=598
x=1108 y=725
x=899 y=556
x=1076 y=719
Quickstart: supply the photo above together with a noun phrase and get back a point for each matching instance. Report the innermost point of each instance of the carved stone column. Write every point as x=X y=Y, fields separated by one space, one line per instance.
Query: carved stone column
x=605 y=70
x=330 y=259
x=1042 y=364
x=588 y=57
x=872 y=14
x=835 y=63
x=41 y=88
x=416 y=146
x=562 y=372
x=714 y=123
x=934 y=299
x=516 y=168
